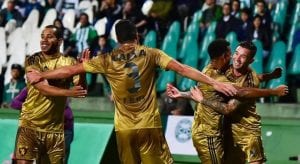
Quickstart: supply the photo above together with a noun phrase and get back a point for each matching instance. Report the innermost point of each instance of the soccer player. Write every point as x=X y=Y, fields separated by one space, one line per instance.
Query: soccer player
x=207 y=130
x=40 y=135
x=130 y=70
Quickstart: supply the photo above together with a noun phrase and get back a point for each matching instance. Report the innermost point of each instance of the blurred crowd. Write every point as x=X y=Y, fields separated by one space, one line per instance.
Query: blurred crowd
x=249 y=19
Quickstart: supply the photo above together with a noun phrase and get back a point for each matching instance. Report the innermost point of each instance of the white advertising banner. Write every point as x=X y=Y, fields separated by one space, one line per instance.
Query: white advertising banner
x=179 y=135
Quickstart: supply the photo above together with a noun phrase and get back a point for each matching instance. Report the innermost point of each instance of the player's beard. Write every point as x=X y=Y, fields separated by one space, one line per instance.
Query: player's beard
x=53 y=49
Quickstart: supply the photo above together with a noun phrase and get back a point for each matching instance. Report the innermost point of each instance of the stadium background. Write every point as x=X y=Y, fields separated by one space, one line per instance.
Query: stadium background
x=179 y=38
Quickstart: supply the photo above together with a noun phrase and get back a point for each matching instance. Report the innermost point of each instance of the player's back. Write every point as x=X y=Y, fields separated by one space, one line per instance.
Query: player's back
x=131 y=72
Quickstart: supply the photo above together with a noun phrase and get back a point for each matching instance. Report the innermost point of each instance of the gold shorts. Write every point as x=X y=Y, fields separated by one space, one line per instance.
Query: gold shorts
x=244 y=149
x=44 y=147
x=145 y=146
x=209 y=148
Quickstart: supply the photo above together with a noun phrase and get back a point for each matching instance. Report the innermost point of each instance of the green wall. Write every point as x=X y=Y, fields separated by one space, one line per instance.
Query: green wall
x=95 y=138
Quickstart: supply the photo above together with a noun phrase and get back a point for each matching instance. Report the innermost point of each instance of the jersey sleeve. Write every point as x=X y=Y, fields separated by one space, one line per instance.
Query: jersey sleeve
x=96 y=64
x=161 y=58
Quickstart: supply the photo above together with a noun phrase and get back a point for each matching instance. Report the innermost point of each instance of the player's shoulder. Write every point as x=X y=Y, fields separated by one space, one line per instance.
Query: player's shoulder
x=34 y=58
x=208 y=70
x=68 y=60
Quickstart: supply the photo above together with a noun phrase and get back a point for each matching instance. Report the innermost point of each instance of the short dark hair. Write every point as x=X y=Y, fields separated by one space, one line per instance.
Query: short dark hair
x=125 y=31
x=250 y=46
x=84 y=14
x=217 y=48
x=16 y=66
x=247 y=11
x=103 y=36
x=261 y=1
x=57 y=32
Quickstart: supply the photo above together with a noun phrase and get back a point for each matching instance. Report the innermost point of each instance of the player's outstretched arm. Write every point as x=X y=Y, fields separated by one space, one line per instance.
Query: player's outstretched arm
x=223 y=108
x=34 y=76
x=173 y=92
x=276 y=73
x=196 y=75
x=281 y=90
x=49 y=90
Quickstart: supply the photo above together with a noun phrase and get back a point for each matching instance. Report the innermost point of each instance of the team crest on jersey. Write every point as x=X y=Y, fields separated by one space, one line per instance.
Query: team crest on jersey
x=183 y=130
x=23 y=150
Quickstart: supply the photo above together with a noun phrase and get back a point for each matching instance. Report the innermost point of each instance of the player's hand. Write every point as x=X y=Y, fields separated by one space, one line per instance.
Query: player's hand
x=172 y=91
x=196 y=94
x=85 y=55
x=227 y=89
x=282 y=90
x=77 y=91
x=33 y=76
x=277 y=72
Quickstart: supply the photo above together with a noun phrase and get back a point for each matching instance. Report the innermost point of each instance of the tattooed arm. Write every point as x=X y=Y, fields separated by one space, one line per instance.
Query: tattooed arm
x=219 y=107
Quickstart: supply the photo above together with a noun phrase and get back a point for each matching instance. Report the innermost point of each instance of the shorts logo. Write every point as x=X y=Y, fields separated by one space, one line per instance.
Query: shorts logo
x=23 y=150
x=183 y=130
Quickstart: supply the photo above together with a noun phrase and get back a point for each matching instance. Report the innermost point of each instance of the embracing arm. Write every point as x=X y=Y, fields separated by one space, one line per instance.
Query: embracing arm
x=223 y=108
x=196 y=75
x=64 y=72
x=226 y=108
x=173 y=92
x=276 y=73
x=49 y=90
x=281 y=90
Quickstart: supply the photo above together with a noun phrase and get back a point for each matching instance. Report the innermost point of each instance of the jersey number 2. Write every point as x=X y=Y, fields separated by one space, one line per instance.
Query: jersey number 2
x=135 y=76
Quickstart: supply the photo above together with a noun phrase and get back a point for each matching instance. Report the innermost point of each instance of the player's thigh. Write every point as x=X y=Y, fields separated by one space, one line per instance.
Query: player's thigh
x=210 y=149
x=153 y=146
x=55 y=145
x=127 y=146
x=254 y=149
x=26 y=145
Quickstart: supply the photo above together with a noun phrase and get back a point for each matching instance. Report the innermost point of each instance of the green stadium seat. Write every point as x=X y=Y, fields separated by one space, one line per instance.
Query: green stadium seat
x=295 y=20
x=182 y=50
x=294 y=67
x=277 y=59
x=232 y=39
x=174 y=30
x=197 y=16
x=203 y=54
x=280 y=14
x=169 y=46
x=191 y=59
x=165 y=77
x=193 y=29
x=150 y=39
x=277 y=56
x=257 y=65
x=212 y=27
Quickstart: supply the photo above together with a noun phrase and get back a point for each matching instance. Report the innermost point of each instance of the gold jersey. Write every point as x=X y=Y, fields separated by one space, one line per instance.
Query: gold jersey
x=208 y=120
x=245 y=119
x=130 y=72
x=45 y=113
